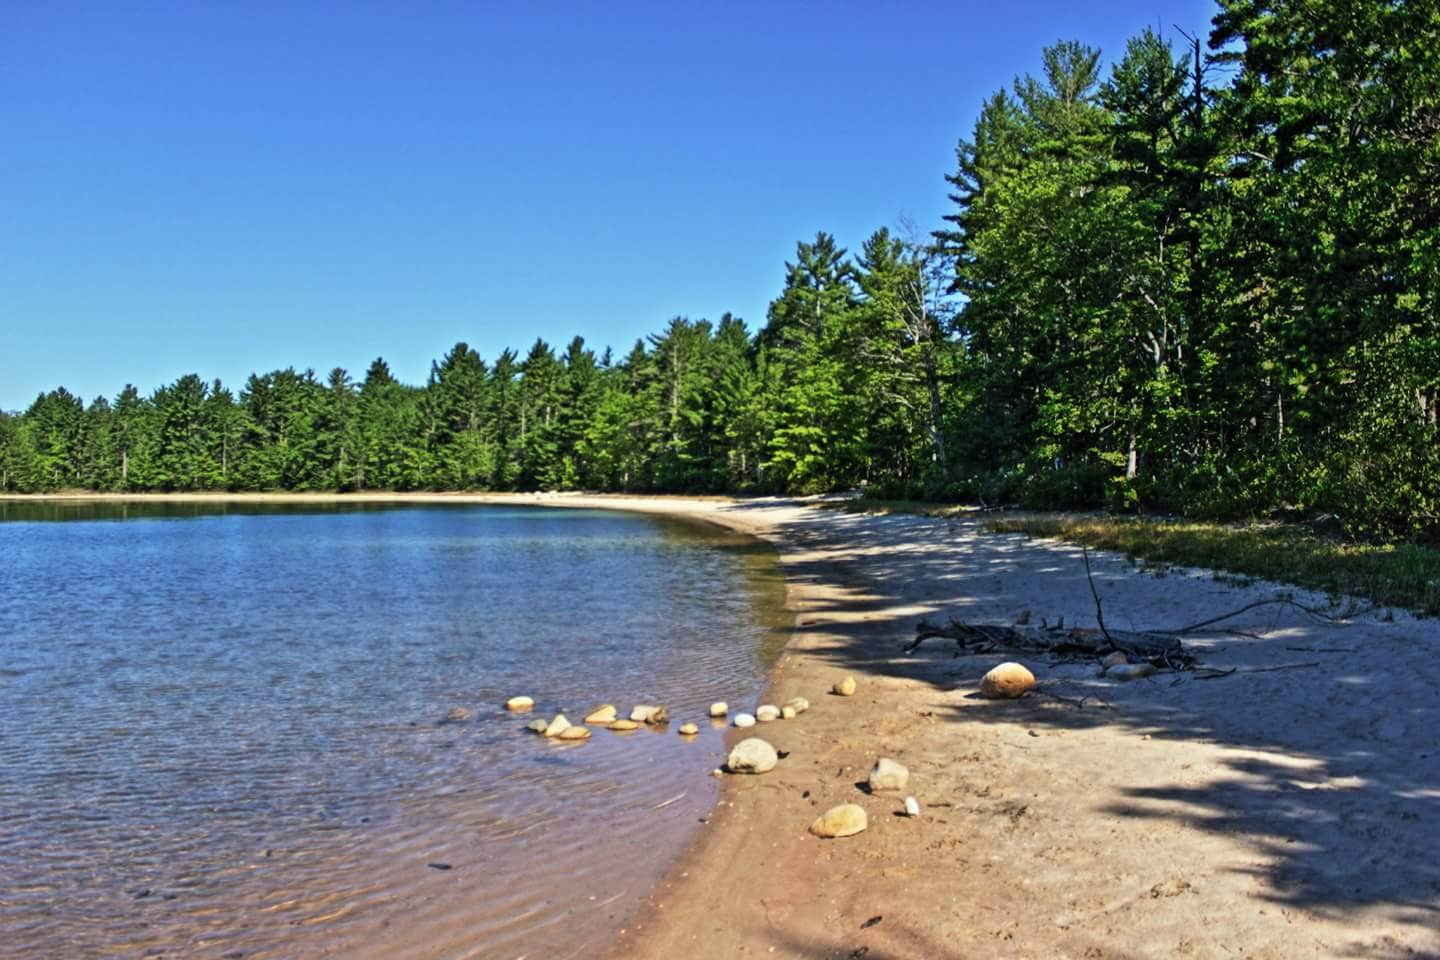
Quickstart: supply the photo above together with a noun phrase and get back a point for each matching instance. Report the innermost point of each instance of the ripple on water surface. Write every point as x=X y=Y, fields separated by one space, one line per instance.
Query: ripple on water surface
x=219 y=736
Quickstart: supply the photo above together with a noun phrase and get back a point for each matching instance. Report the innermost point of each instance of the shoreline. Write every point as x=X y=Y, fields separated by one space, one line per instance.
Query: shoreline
x=1278 y=814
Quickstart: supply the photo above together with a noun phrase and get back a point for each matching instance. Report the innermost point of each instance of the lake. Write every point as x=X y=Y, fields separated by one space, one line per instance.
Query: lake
x=221 y=727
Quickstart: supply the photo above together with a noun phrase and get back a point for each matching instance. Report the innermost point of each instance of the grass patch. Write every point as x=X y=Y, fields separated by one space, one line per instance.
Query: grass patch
x=1396 y=575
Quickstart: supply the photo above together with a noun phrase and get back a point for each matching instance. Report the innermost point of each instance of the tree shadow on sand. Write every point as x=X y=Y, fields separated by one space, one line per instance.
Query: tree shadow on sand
x=1318 y=762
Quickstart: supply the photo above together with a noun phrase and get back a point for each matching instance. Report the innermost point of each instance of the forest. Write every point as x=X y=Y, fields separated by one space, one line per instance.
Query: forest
x=1202 y=278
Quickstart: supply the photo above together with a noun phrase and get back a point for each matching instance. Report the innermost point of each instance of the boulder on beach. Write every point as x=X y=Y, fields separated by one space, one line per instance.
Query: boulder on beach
x=1007 y=681
x=752 y=755
x=719 y=708
x=799 y=703
x=688 y=730
x=887 y=774
x=845 y=820
x=912 y=807
x=601 y=715
x=457 y=715
x=744 y=720
x=767 y=712
x=574 y=733
x=554 y=727
x=1130 y=671
x=520 y=704
x=537 y=725
x=845 y=688
x=623 y=725
x=788 y=712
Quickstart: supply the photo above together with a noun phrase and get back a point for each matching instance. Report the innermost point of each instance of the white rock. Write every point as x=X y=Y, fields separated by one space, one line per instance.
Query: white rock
x=888 y=775
x=719 y=708
x=767 y=712
x=752 y=755
x=788 y=712
x=642 y=712
x=912 y=807
x=744 y=720
x=519 y=704
x=557 y=726
x=799 y=703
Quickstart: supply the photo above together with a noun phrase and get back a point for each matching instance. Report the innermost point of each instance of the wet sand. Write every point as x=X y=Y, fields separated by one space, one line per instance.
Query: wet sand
x=1266 y=814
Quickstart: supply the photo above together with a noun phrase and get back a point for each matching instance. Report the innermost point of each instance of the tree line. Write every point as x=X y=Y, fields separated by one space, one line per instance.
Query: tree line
x=1205 y=280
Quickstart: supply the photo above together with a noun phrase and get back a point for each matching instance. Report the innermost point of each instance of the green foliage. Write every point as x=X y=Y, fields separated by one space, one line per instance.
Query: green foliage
x=1161 y=285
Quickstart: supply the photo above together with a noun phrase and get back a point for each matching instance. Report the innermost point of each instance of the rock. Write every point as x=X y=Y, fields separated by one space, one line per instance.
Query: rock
x=688 y=729
x=1007 y=681
x=457 y=715
x=520 y=704
x=888 y=775
x=744 y=720
x=601 y=715
x=719 y=708
x=752 y=755
x=788 y=712
x=574 y=733
x=1115 y=659
x=845 y=688
x=845 y=820
x=646 y=713
x=1130 y=671
x=554 y=727
x=912 y=807
x=537 y=725
x=623 y=725
x=767 y=712
x=799 y=703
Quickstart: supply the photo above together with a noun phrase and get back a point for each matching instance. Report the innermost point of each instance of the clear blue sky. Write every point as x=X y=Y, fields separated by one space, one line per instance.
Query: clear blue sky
x=231 y=187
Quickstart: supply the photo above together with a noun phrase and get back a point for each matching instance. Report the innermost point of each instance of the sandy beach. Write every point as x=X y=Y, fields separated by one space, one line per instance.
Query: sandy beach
x=1267 y=813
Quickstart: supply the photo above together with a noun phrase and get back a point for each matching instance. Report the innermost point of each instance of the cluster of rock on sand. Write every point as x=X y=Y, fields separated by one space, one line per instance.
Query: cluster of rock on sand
x=754 y=755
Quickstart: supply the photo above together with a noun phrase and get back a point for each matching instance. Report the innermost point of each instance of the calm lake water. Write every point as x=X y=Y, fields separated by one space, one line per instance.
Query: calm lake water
x=220 y=736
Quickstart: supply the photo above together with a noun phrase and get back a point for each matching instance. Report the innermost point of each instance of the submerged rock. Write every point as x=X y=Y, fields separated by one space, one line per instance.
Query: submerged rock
x=845 y=820
x=601 y=715
x=887 y=774
x=556 y=726
x=519 y=704
x=624 y=725
x=457 y=715
x=649 y=713
x=537 y=725
x=719 y=708
x=845 y=688
x=767 y=712
x=688 y=730
x=744 y=720
x=1007 y=681
x=752 y=755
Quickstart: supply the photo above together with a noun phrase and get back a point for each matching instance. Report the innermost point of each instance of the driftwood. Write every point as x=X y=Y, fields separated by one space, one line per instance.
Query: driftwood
x=1163 y=650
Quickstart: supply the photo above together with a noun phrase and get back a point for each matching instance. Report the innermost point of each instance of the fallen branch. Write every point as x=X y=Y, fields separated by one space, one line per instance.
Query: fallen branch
x=1286 y=601
x=1206 y=673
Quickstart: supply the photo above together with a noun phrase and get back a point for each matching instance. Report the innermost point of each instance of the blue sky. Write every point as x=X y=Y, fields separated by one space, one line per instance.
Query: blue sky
x=228 y=187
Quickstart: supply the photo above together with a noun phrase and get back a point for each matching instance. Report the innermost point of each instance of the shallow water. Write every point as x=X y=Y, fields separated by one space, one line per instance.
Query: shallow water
x=219 y=728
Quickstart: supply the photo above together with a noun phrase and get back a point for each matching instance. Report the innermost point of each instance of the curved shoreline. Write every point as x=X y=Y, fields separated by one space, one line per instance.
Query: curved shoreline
x=1278 y=815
